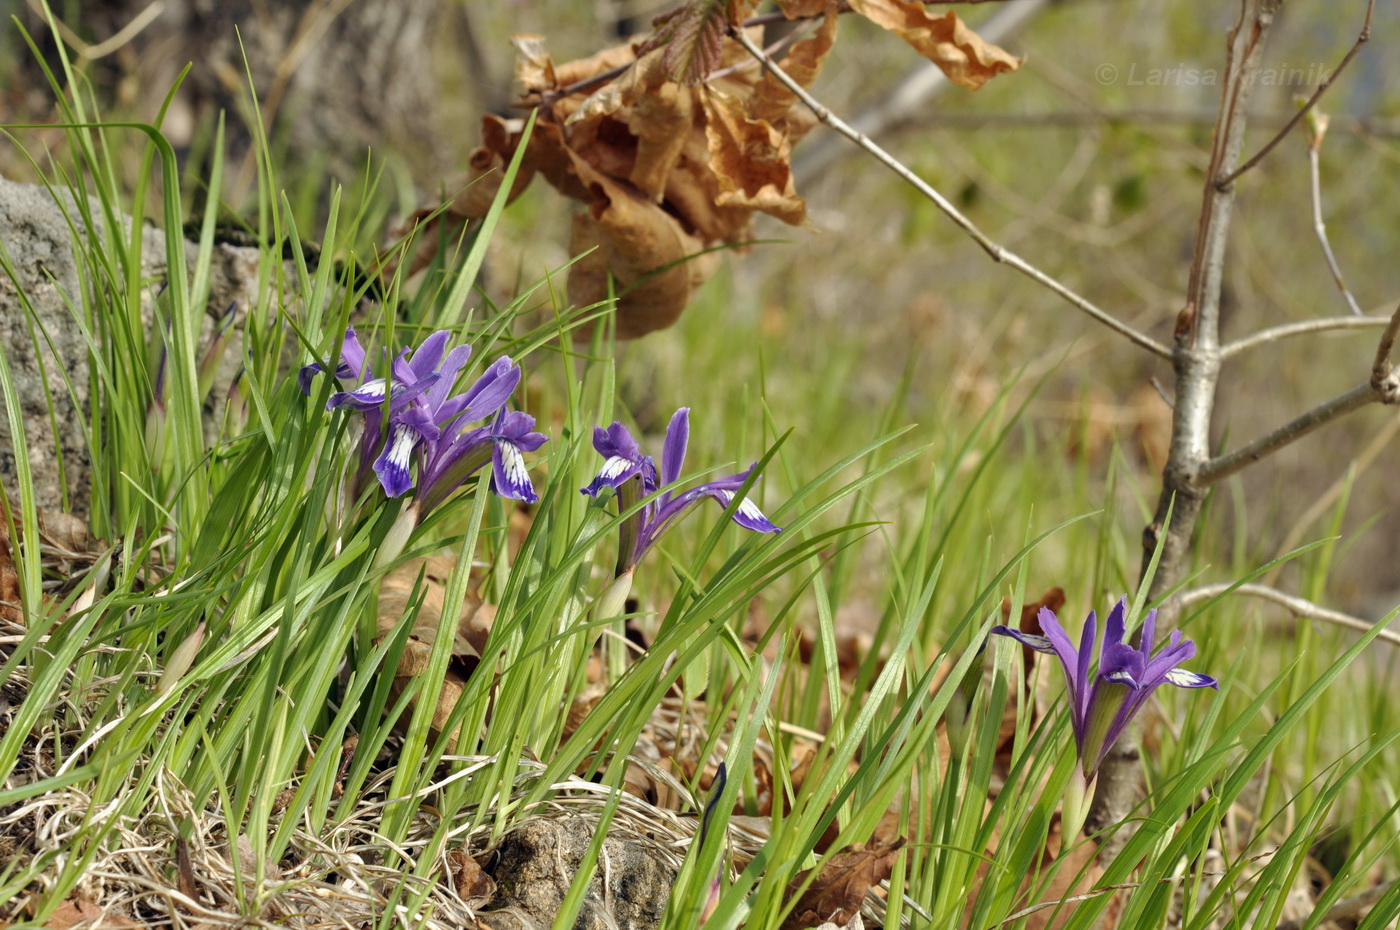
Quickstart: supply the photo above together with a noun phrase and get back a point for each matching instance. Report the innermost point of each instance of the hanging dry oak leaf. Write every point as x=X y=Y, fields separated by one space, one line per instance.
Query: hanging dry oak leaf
x=651 y=259
x=837 y=894
x=533 y=67
x=806 y=9
x=771 y=99
x=661 y=120
x=674 y=144
x=751 y=159
x=944 y=40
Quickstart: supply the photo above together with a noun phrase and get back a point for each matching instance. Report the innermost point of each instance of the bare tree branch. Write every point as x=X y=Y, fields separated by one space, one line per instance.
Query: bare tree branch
x=1223 y=466
x=1375 y=127
x=1384 y=387
x=1312 y=101
x=912 y=94
x=997 y=252
x=1381 y=370
x=1296 y=605
x=1319 y=121
x=1328 y=499
x=1196 y=362
x=1303 y=328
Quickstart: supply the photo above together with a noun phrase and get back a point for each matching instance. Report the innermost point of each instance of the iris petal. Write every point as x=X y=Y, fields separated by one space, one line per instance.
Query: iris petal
x=511 y=474
x=1038 y=643
x=392 y=466
x=1186 y=679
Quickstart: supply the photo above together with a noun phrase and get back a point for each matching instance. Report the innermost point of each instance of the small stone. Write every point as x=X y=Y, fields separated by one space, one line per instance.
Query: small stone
x=536 y=863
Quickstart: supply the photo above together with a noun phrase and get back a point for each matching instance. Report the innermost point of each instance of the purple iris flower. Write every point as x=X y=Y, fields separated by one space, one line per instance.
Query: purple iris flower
x=1102 y=705
x=427 y=424
x=634 y=476
x=451 y=460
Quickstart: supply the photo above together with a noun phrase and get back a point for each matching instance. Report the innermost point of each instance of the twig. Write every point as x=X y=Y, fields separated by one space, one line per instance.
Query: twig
x=1305 y=108
x=109 y=45
x=1381 y=370
x=1200 y=327
x=1155 y=118
x=1349 y=907
x=1275 y=333
x=912 y=94
x=1379 y=443
x=1296 y=605
x=1319 y=227
x=773 y=48
x=997 y=252
x=1223 y=466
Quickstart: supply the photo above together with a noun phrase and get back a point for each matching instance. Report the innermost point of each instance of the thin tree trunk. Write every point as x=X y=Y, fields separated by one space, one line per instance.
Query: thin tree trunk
x=1196 y=360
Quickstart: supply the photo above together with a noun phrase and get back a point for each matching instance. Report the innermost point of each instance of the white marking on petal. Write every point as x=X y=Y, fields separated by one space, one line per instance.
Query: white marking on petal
x=1184 y=679
x=1122 y=678
x=725 y=496
x=613 y=467
x=1038 y=643
x=404 y=441
x=514 y=463
x=747 y=508
x=373 y=388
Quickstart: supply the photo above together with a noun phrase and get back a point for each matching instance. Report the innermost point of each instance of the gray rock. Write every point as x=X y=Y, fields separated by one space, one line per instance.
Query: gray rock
x=43 y=342
x=537 y=862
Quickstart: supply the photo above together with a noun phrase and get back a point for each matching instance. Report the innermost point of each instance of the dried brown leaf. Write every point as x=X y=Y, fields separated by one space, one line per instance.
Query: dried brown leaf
x=248 y=859
x=751 y=159
x=806 y=9
x=851 y=650
x=533 y=66
x=9 y=579
x=65 y=531
x=836 y=894
x=473 y=885
x=855 y=923
x=655 y=112
x=661 y=120
x=945 y=40
x=691 y=192
x=486 y=169
x=772 y=101
x=1054 y=600
x=474 y=620
x=653 y=260
x=582 y=69
x=396 y=595
x=87 y=915
x=582 y=705
x=1078 y=873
